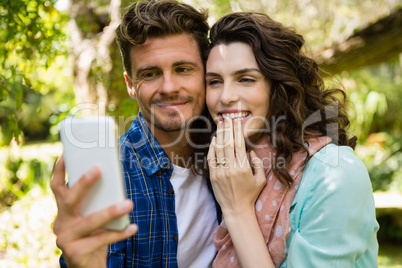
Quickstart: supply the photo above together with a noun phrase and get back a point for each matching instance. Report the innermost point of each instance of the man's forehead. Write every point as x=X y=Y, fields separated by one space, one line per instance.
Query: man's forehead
x=167 y=50
x=173 y=40
x=169 y=37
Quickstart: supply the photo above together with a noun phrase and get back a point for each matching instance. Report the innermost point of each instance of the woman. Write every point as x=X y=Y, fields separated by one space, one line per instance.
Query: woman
x=282 y=168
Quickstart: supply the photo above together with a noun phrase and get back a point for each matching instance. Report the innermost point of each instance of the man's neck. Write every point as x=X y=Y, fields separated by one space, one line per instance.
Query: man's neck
x=175 y=145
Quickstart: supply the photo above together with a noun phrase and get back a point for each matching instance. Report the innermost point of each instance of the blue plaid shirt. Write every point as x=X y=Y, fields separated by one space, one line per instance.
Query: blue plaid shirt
x=147 y=172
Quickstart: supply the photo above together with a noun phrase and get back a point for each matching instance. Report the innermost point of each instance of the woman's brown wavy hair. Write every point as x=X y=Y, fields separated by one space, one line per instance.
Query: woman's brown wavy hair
x=297 y=91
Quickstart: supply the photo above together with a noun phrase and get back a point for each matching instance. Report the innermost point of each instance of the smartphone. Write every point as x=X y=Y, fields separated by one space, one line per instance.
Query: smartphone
x=89 y=142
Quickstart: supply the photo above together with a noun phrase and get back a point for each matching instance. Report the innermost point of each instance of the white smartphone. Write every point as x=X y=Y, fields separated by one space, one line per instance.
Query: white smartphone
x=89 y=142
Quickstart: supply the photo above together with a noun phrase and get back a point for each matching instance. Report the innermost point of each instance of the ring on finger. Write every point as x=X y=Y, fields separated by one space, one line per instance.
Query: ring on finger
x=222 y=162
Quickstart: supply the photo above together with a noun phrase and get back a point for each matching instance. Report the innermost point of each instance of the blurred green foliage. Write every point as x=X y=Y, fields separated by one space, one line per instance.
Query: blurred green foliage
x=33 y=39
x=390 y=231
x=389 y=256
x=22 y=177
x=375 y=94
x=21 y=169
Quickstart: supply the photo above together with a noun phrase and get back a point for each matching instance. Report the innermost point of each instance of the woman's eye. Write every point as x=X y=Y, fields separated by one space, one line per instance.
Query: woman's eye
x=213 y=82
x=247 y=80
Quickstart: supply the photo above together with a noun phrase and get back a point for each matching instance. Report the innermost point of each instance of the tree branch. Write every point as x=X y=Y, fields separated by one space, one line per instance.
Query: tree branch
x=379 y=42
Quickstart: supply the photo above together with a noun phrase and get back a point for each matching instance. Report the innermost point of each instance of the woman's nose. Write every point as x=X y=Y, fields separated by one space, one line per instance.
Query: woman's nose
x=229 y=94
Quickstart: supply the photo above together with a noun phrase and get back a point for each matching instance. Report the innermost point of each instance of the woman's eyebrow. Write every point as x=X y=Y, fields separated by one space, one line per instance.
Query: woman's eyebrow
x=212 y=74
x=245 y=70
x=241 y=71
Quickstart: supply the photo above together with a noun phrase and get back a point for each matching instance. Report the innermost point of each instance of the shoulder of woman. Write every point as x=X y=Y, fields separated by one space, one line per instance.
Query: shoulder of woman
x=336 y=165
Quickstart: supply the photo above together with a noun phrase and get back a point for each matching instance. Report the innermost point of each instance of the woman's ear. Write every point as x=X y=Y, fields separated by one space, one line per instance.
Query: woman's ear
x=130 y=86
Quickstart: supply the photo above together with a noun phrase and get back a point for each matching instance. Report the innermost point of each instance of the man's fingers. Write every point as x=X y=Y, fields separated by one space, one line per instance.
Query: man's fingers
x=95 y=241
x=110 y=237
x=58 y=181
x=101 y=218
x=82 y=186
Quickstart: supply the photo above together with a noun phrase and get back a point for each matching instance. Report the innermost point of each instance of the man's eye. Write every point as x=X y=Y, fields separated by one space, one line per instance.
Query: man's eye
x=182 y=69
x=148 y=75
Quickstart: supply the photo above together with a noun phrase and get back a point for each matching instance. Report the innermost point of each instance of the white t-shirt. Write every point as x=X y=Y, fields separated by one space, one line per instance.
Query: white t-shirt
x=196 y=219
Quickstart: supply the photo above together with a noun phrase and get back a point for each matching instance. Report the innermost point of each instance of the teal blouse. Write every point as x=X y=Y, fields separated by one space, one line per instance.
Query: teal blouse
x=333 y=215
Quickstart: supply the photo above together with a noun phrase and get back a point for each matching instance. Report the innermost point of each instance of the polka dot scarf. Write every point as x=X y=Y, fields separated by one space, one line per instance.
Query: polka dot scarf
x=272 y=206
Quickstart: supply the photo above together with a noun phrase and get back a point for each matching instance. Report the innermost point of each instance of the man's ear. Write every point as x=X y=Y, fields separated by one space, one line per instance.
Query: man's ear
x=130 y=86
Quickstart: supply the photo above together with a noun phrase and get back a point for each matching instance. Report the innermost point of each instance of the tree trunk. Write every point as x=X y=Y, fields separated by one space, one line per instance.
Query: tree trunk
x=379 y=42
x=92 y=33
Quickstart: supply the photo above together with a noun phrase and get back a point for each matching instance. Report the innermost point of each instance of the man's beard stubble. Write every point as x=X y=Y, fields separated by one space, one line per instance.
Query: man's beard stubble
x=179 y=122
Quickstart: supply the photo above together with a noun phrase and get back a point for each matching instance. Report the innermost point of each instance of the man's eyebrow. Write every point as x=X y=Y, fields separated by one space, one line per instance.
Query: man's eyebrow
x=184 y=62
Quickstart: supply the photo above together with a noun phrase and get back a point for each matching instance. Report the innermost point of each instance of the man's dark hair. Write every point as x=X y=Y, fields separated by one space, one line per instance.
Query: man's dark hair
x=154 y=18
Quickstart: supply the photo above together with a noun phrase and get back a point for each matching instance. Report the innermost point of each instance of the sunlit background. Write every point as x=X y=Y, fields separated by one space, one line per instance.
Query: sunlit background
x=52 y=62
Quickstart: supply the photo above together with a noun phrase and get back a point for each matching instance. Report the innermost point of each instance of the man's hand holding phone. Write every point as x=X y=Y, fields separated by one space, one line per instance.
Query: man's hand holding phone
x=93 y=207
x=83 y=240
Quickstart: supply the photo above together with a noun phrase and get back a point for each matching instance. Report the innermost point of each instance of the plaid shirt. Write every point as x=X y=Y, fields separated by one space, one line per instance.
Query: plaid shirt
x=147 y=171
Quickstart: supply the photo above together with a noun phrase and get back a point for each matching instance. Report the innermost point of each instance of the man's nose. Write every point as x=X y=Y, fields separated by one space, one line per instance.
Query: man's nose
x=170 y=84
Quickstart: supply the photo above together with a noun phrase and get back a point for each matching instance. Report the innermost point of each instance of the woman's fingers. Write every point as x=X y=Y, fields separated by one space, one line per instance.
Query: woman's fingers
x=224 y=148
x=211 y=156
x=229 y=149
x=259 y=171
x=219 y=145
x=240 y=145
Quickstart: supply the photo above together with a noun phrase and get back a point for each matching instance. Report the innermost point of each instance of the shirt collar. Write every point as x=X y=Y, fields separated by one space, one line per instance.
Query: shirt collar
x=152 y=157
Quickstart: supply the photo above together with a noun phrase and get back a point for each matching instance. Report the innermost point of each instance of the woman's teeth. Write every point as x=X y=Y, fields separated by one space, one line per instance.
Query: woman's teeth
x=241 y=115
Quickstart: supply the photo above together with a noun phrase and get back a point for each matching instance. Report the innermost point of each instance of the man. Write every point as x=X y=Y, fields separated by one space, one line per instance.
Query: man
x=163 y=48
